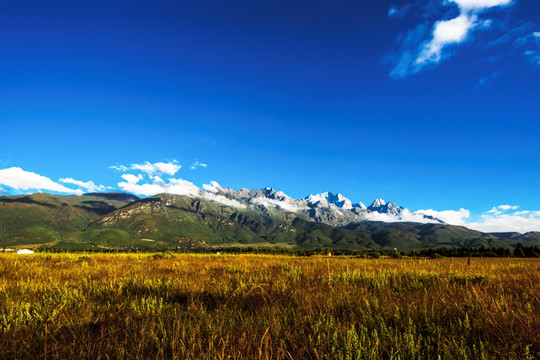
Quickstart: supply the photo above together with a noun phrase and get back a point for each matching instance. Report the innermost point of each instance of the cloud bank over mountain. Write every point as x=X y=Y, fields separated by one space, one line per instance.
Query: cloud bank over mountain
x=148 y=179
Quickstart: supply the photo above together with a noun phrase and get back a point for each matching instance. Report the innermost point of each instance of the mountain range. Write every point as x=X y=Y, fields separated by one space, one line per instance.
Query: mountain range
x=221 y=217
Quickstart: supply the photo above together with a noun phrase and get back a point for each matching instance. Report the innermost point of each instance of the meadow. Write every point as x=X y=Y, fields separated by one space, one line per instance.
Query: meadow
x=189 y=306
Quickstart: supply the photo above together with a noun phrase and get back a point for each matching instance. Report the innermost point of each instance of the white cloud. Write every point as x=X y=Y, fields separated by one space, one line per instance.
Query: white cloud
x=177 y=187
x=523 y=222
x=496 y=210
x=89 y=186
x=445 y=33
x=507 y=207
x=277 y=203
x=536 y=34
x=18 y=179
x=150 y=169
x=405 y=216
x=132 y=179
x=213 y=187
x=493 y=210
x=454 y=217
x=159 y=186
x=197 y=164
x=223 y=200
x=142 y=189
x=502 y=218
x=119 y=168
x=182 y=187
x=416 y=52
x=477 y=5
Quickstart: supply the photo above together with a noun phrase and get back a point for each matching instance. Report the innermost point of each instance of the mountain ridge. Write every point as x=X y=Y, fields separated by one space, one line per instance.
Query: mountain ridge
x=248 y=217
x=330 y=208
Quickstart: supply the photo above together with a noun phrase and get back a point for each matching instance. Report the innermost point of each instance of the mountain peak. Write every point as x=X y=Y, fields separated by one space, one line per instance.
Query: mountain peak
x=337 y=199
x=360 y=205
x=378 y=203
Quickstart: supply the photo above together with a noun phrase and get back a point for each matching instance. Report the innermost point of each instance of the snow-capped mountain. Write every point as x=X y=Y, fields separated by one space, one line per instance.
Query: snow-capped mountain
x=338 y=200
x=327 y=207
x=380 y=206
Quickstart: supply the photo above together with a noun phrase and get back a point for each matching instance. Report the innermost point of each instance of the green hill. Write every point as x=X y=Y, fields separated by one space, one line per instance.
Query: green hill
x=122 y=221
x=48 y=219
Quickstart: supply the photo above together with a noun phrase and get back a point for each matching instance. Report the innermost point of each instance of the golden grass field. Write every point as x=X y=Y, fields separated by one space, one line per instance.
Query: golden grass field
x=148 y=306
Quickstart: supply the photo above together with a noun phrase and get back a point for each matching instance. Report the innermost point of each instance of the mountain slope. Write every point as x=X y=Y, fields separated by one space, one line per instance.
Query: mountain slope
x=43 y=218
x=175 y=220
x=172 y=220
x=256 y=218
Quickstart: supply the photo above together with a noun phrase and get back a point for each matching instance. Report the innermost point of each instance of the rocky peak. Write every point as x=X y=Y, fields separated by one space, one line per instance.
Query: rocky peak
x=326 y=198
x=377 y=203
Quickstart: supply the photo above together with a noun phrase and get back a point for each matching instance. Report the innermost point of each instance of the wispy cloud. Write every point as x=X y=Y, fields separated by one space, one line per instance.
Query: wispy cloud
x=486 y=79
x=398 y=12
x=516 y=35
x=529 y=44
x=501 y=218
x=169 y=168
x=445 y=33
x=497 y=210
x=223 y=200
x=119 y=168
x=213 y=187
x=420 y=49
x=454 y=217
x=159 y=168
x=158 y=186
x=177 y=187
x=518 y=221
x=132 y=179
x=280 y=204
x=534 y=56
x=479 y=5
x=534 y=53
x=197 y=164
x=19 y=179
x=404 y=216
x=89 y=186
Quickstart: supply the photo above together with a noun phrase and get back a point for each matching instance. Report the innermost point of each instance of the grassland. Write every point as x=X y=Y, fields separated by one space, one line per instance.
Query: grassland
x=146 y=306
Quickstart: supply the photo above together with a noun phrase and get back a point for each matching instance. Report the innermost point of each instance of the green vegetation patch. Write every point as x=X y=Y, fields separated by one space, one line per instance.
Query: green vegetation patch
x=108 y=237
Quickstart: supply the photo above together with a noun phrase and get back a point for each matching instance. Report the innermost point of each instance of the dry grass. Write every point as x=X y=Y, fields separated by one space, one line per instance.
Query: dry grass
x=131 y=306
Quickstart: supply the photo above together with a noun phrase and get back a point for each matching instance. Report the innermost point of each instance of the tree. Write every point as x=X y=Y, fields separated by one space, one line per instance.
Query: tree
x=518 y=251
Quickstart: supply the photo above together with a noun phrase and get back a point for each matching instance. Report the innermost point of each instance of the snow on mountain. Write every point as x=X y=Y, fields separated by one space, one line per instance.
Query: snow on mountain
x=379 y=210
x=377 y=203
x=337 y=199
x=287 y=205
x=360 y=205
x=327 y=207
x=223 y=200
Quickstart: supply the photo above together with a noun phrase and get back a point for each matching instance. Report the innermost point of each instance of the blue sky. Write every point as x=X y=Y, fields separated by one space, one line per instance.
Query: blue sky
x=432 y=104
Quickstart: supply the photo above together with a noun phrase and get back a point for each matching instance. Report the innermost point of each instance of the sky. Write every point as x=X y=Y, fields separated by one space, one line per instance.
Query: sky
x=431 y=104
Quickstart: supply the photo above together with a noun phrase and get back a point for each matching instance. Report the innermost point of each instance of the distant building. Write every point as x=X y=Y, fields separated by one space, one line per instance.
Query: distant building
x=24 y=252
